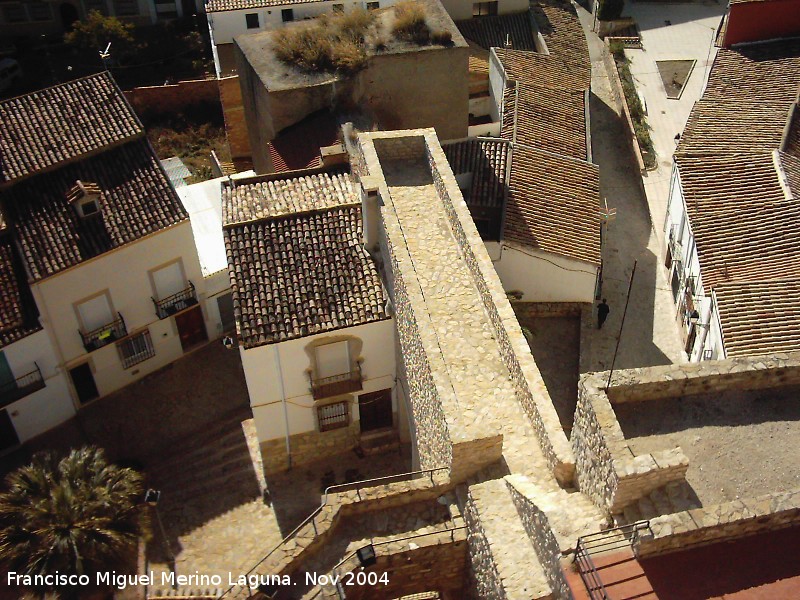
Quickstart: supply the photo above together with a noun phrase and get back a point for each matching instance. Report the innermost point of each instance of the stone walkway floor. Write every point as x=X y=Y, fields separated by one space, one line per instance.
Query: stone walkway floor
x=650 y=336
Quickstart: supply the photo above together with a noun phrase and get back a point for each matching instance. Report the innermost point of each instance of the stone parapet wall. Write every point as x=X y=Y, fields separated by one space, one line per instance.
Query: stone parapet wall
x=607 y=470
x=515 y=352
x=484 y=573
x=721 y=522
x=168 y=99
x=706 y=377
x=230 y=94
x=308 y=447
x=471 y=456
x=537 y=526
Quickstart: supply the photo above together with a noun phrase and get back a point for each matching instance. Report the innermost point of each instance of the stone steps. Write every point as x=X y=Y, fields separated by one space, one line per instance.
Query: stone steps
x=379 y=442
x=674 y=497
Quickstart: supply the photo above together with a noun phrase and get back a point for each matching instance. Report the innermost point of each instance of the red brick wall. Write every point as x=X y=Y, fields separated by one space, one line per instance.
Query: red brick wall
x=173 y=98
x=230 y=94
x=754 y=21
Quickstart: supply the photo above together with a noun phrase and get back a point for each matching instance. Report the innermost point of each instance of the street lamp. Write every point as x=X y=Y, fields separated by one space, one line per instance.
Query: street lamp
x=151 y=498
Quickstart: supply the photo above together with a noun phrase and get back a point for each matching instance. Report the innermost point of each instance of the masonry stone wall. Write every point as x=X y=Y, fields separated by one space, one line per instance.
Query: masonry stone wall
x=727 y=521
x=607 y=470
x=483 y=572
x=706 y=377
x=528 y=383
x=308 y=447
x=166 y=99
x=537 y=526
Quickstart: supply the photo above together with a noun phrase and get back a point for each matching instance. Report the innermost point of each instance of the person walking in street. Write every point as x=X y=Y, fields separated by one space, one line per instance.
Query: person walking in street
x=602 y=313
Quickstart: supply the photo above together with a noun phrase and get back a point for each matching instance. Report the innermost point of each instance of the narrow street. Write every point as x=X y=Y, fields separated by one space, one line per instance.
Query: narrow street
x=650 y=336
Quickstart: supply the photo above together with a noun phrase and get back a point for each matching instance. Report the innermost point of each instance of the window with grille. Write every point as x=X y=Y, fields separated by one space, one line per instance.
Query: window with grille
x=333 y=416
x=287 y=14
x=373 y=5
x=484 y=9
x=252 y=20
x=135 y=349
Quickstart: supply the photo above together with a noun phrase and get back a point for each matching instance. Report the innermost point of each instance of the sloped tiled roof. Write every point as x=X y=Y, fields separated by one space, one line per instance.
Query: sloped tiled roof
x=302 y=274
x=744 y=226
x=553 y=204
x=270 y=196
x=298 y=146
x=18 y=314
x=557 y=21
x=489 y=32
x=223 y=5
x=760 y=317
x=136 y=200
x=487 y=160
x=550 y=71
x=553 y=120
x=62 y=123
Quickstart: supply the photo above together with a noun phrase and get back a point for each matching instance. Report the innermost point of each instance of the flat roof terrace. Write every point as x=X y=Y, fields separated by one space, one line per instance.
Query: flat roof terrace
x=740 y=444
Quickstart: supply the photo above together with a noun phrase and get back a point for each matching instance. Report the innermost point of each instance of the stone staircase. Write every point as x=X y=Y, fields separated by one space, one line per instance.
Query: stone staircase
x=676 y=496
x=380 y=441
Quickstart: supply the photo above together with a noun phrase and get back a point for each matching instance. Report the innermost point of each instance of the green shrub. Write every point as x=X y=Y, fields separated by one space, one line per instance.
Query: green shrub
x=409 y=22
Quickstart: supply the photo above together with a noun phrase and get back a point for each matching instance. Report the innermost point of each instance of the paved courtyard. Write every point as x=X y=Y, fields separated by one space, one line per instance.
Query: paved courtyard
x=690 y=35
x=650 y=336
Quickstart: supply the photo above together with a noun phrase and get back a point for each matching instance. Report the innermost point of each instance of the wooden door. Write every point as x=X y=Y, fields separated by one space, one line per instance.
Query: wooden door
x=83 y=382
x=191 y=328
x=375 y=410
x=8 y=435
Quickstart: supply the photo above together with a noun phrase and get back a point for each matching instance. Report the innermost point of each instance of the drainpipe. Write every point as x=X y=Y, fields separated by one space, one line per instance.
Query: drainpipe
x=285 y=408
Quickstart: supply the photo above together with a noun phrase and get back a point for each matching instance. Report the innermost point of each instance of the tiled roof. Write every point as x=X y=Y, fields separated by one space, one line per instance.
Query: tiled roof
x=297 y=147
x=552 y=120
x=791 y=169
x=487 y=160
x=55 y=125
x=270 y=196
x=561 y=29
x=745 y=228
x=760 y=317
x=766 y=71
x=493 y=31
x=716 y=126
x=478 y=58
x=553 y=204
x=550 y=71
x=302 y=274
x=136 y=200
x=18 y=314
x=223 y=5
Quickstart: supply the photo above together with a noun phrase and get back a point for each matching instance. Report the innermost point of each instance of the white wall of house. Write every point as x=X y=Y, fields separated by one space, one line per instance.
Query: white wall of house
x=126 y=277
x=45 y=408
x=264 y=365
x=683 y=272
x=463 y=9
x=542 y=276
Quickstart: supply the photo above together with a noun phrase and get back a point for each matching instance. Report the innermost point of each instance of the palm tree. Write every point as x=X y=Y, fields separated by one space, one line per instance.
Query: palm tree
x=77 y=515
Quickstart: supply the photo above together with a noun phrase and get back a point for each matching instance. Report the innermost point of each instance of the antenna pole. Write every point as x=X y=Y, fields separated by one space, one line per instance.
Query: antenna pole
x=621 y=325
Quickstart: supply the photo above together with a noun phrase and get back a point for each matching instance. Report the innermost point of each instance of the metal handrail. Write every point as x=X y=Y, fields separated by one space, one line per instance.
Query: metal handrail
x=22 y=386
x=315 y=512
x=104 y=335
x=597 y=542
x=164 y=304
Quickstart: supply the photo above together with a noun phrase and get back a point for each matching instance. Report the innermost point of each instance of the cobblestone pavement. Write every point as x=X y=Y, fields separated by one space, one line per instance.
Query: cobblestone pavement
x=650 y=336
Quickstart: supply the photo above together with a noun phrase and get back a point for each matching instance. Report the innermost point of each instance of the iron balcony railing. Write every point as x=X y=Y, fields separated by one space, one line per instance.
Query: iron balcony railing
x=22 y=386
x=105 y=334
x=176 y=302
x=343 y=383
x=605 y=541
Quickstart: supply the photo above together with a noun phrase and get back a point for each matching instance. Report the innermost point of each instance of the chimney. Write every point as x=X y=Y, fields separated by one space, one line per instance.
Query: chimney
x=85 y=198
x=333 y=155
x=370 y=212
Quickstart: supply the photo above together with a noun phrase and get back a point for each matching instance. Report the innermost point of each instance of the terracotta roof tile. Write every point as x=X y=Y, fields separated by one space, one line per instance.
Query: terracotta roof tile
x=552 y=71
x=760 y=317
x=18 y=313
x=272 y=196
x=488 y=161
x=553 y=204
x=298 y=147
x=136 y=200
x=302 y=274
x=557 y=21
x=50 y=127
x=553 y=120
x=493 y=31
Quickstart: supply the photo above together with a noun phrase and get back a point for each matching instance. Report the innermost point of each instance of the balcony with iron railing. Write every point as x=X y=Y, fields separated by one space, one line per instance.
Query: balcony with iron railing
x=175 y=303
x=21 y=386
x=105 y=334
x=325 y=387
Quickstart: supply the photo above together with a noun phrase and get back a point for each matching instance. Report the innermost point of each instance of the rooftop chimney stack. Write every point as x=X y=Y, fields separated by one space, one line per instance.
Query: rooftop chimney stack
x=370 y=212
